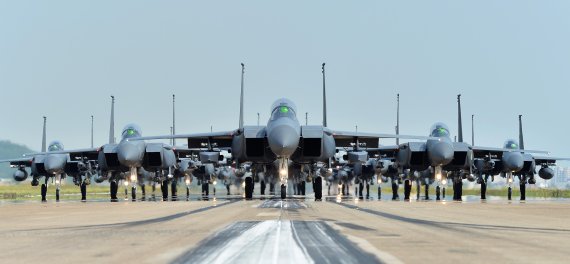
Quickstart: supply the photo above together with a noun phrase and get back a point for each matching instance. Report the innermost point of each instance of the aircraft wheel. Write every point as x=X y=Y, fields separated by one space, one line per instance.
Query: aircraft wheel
x=483 y=190
x=262 y=187
x=134 y=193
x=83 y=191
x=437 y=193
x=164 y=190
x=113 y=190
x=360 y=187
x=44 y=192
x=205 y=189
x=318 y=188
x=174 y=189
x=283 y=191
x=407 y=189
x=395 y=186
x=379 y=192
x=443 y=192
x=187 y=192
x=248 y=188
x=523 y=191
x=510 y=193
x=57 y=194
x=303 y=187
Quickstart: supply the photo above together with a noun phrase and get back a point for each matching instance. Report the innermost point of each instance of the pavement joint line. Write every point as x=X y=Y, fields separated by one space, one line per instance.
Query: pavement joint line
x=449 y=225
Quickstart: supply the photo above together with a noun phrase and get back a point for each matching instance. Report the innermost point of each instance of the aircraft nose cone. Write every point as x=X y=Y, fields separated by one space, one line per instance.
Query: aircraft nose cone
x=54 y=164
x=130 y=154
x=283 y=140
x=513 y=161
x=441 y=154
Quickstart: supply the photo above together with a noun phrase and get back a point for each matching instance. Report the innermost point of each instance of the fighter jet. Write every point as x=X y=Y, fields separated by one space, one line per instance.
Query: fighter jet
x=510 y=164
x=440 y=159
x=283 y=141
x=56 y=165
x=136 y=158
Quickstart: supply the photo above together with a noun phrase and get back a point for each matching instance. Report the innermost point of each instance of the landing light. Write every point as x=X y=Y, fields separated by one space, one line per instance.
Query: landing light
x=56 y=181
x=510 y=180
x=187 y=181
x=438 y=176
x=126 y=183
x=243 y=184
x=283 y=171
x=444 y=182
x=215 y=182
x=170 y=175
x=133 y=178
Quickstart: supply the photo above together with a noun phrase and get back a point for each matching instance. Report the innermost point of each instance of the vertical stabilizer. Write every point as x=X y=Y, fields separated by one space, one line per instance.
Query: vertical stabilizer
x=472 y=130
x=324 y=98
x=173 y=119
x=44 y=136
x=459 y=123
x=521 y=139
x=397 y=118
x=241 y=98
x=112 y=123
x=91 y=131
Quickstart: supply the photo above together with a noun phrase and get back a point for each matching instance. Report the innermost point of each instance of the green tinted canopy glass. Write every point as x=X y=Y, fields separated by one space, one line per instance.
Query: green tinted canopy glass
x=284 y=109
x=130 y=131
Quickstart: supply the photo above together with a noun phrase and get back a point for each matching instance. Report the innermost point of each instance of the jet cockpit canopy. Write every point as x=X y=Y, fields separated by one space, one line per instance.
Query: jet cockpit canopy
x=439 y=130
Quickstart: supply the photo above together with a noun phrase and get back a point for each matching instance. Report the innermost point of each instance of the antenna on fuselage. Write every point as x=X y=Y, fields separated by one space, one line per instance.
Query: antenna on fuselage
x=398 y=118
x=173 y=132
x=472 y=130
x=521 y=140
x=112 y=124
x=44 y=136
x=241 y=98
x=459 y=123
x=324 y=98
x=92 y=131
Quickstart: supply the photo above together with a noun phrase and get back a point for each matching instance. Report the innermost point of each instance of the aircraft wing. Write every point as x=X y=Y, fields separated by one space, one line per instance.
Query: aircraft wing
x=547 y=160
x=74 y=154
x=27 y=161
x=344 y=138
x=222 y=139
x=481 y=152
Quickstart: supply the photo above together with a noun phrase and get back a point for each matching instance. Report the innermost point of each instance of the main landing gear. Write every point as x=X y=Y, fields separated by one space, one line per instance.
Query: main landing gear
x=249 y=188
x=318 y=187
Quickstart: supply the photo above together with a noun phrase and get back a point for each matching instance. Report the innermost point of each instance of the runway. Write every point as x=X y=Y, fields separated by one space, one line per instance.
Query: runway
x=290 y=231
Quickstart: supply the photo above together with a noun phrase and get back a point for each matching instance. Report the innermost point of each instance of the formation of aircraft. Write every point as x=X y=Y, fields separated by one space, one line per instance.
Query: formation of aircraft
x=283 y=152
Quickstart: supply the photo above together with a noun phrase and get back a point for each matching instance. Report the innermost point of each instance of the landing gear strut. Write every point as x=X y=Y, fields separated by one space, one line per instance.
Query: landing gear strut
x=83 y=188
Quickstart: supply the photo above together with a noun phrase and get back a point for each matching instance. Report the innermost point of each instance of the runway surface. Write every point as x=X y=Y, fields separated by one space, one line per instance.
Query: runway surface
x=290 y=231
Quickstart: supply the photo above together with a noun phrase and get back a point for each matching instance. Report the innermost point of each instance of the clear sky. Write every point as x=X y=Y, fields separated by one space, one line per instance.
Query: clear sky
x=63 y=59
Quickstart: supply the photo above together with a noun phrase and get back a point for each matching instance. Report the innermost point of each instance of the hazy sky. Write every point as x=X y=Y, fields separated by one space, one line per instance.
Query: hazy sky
x=63 y=59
